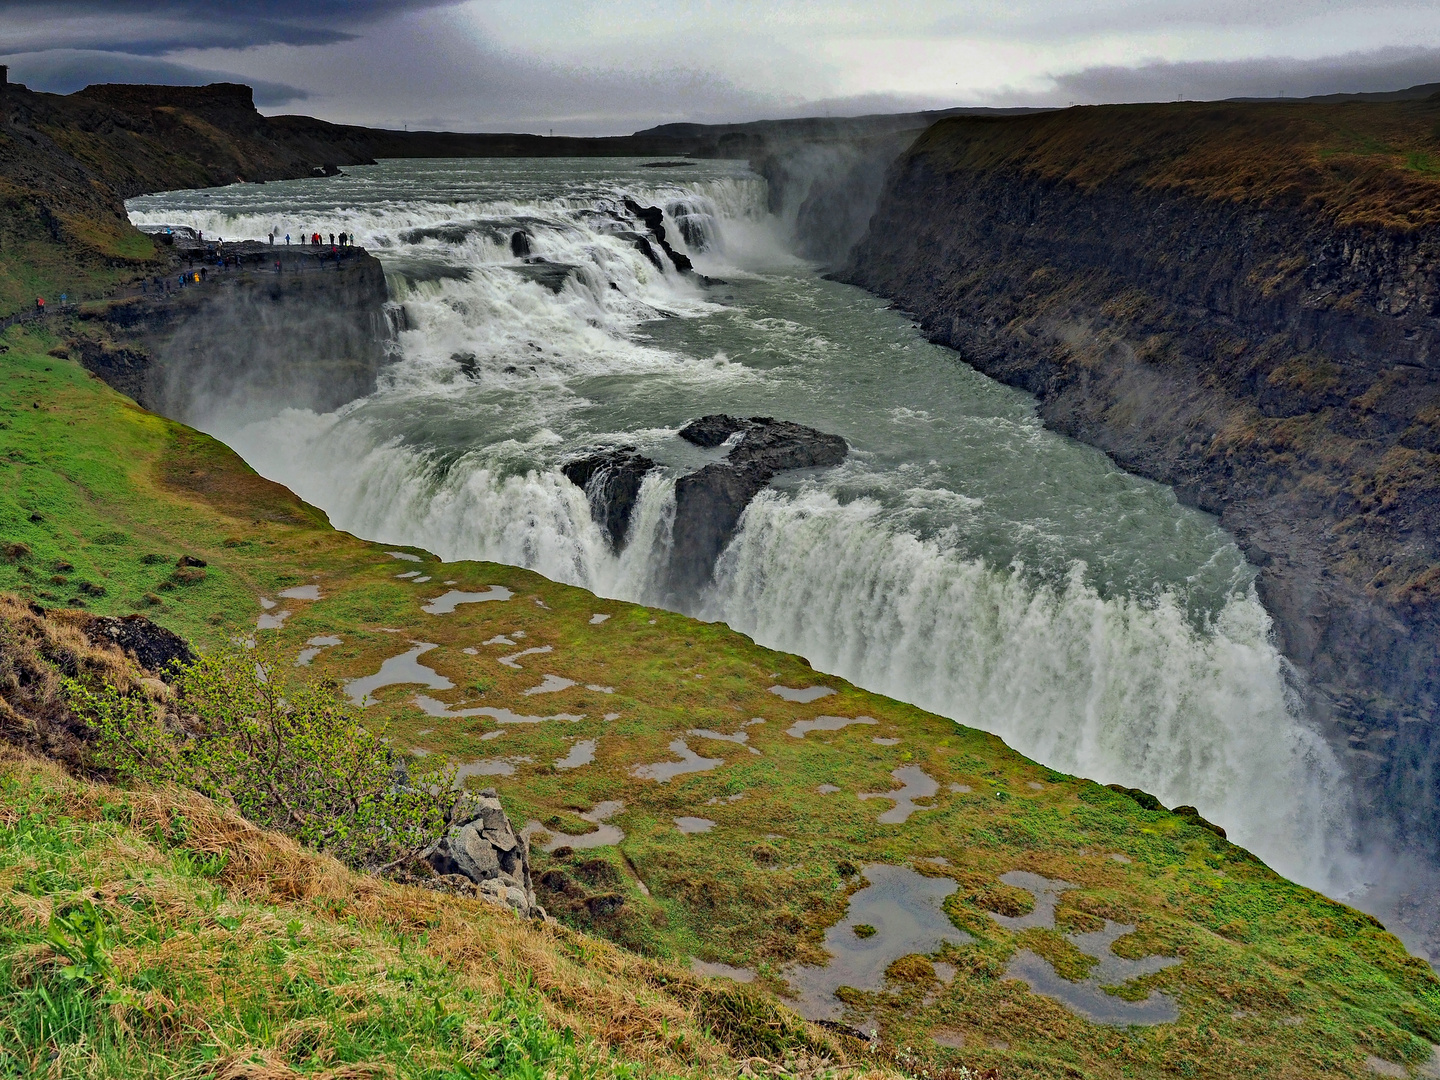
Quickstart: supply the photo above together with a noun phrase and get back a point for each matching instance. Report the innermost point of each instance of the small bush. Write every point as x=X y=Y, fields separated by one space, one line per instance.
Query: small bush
x=293 y=758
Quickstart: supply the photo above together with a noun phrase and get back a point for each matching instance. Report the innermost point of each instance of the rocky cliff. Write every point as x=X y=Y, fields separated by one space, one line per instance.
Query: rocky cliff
x=263 y=328
x=1240 y=300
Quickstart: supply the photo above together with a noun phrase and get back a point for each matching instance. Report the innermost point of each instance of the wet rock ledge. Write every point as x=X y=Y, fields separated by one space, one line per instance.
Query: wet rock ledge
x=709 y=501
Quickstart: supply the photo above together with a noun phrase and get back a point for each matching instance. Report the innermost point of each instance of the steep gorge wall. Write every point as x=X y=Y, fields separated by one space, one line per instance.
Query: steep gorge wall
x=1242 y=301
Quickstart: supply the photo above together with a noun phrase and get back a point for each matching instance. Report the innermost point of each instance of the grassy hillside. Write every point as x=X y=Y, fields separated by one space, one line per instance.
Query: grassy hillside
x=99 y=499
x=1363 y=163
x=149 y=934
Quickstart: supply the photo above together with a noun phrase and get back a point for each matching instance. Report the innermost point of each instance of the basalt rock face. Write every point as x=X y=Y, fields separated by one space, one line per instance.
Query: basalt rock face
x=313 y=335
x=484 y=848
x=611 y=481
x=1276 y=359
x=654 y=219
x=709 y=501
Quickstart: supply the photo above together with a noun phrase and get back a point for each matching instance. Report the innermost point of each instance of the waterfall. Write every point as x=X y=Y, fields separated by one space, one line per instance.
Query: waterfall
x=522 y=353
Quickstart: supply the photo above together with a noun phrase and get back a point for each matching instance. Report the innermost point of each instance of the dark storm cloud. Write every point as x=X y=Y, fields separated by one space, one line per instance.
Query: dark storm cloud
x=1381 y=70
x=156 y=27
x=63 y=71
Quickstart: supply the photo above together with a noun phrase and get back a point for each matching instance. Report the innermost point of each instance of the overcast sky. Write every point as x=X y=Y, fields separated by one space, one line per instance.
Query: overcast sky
x=613 y=66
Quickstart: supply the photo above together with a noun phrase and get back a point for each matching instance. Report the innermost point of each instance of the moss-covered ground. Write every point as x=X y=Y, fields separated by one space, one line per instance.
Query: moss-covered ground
x=98 y=500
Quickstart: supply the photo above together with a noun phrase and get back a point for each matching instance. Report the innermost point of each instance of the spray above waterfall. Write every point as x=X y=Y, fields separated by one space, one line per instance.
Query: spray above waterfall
x=960 y=557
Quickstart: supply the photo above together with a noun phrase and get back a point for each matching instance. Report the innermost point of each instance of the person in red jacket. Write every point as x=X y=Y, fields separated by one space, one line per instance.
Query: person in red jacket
x=40 y=304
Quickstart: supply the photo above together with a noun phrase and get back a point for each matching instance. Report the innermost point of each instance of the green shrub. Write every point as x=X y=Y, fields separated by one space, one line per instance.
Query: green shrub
x=294 y=758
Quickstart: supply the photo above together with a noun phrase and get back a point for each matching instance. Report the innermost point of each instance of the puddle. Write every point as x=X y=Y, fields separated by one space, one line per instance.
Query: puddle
x=753 y=721
x=960 y=789
x=553 y=684
x=1046 y=892
x=612 y=716
x=664 y=771
x=498 y=639
x=1033 y=786
x=271 y=622
x=689 y=825
x=301 y=592
x=408 y=574
x=582 y=753
x=404 y=555
x=485 y=767
x=801 y=728
x=434 y=707
x=604 y=835
x=904 y=908
x=878 y=741
x=827 y=789
x=716 y=970
x=266 y=603
x=492 y=734
x=596 y=620
x=316 y=644
x=917 y=785
x=804 y=696
x=509 y=661
x=405 y=668
x=719 y=799
x=446 y=605
x=600 y=689
x=1087 y=998
x=421 y=580
x=740 y=737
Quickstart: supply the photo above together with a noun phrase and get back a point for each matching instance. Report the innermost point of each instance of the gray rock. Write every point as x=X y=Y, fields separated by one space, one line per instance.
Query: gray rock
x=483 y=847
x=502 y=840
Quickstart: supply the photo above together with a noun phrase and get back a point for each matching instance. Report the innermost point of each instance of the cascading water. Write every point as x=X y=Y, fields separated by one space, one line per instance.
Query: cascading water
x=962 y=558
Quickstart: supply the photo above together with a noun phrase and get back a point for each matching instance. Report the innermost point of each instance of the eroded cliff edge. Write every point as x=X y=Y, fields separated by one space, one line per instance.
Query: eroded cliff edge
x=1240 y=300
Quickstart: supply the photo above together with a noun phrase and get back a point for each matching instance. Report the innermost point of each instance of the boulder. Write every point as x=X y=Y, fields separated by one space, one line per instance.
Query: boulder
x=611 y=480
x=151 y=645
x=484 y=848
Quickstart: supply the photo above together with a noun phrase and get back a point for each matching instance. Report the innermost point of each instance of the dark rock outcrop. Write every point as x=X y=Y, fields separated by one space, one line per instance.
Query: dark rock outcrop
x=148 y=644
x=484 y=848
x=611 y=481
x=1226 y=309
x=654 y=219
x=709 y=502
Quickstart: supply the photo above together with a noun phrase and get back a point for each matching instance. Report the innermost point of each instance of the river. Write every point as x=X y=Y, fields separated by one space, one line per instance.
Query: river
x=963 y=558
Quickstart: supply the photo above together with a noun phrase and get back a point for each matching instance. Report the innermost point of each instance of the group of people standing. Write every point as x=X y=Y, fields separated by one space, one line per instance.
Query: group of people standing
x=316 y=240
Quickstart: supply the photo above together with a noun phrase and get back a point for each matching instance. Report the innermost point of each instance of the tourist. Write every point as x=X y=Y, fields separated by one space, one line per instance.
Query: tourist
x=332 y=239
x=40 y=305
x=287 y=239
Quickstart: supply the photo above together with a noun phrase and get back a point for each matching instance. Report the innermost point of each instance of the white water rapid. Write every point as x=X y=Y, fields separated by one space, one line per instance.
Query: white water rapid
x=963 y=558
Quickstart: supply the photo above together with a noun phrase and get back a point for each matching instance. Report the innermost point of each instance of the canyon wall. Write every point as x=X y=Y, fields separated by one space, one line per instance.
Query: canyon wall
x=1240 y=300
x=247 y=339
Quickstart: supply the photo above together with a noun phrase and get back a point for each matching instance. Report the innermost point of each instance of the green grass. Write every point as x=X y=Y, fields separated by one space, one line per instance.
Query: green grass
x=1275 y=980
x=143 y=937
